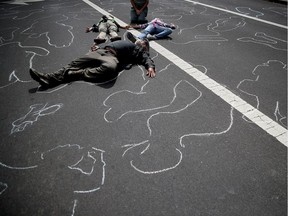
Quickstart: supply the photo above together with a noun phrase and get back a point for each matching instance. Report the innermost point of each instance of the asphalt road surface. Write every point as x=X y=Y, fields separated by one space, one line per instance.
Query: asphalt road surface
x=206 y=137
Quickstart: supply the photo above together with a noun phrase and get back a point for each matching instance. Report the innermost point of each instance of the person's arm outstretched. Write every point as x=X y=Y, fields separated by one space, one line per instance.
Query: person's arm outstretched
x=148 y=63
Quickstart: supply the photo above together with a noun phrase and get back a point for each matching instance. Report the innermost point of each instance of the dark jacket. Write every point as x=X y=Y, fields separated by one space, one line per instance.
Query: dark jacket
x=129 y=53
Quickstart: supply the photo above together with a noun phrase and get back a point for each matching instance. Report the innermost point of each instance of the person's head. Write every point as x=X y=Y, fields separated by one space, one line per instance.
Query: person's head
x=144 y=43
x=105 y=18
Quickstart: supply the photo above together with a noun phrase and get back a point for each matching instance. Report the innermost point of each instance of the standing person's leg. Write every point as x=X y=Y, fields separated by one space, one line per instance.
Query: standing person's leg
x=148 y=30
x=142 y=17
x=133 y=16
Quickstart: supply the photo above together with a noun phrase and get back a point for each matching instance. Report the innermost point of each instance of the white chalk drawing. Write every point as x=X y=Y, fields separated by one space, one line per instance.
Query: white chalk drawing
x=13 y=79
x=167 y=12
x=86 y=163
x=278 y=10
x=131 y=146
x=114 y=113
x=208 y=34
x=228 y=24
x=36 y=111
x=86 y=14
x=7 y=34
x=18 y=167
x=63 y=5
x=24 y=14
x=184 y=105
x=109 y=5
x=21 y=2
x=74 y=207
x=37 y=29
x=118 y=107
x=266 y=75
x=158 y=171
x=207 y=134
x=266 y=40
x=176 y=142
x=179 y=9
x=3 y=187
x=118 y=104
x=249 y=12
x=278 y=116
x=12 y=68
x=212 y=31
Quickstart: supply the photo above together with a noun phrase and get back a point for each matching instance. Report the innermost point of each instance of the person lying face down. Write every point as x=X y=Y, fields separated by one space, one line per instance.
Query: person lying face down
x=100 y=64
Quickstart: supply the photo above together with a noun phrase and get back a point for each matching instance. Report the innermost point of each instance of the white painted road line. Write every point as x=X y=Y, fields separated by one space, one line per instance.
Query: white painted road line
x=257 y=117
x=238 y=14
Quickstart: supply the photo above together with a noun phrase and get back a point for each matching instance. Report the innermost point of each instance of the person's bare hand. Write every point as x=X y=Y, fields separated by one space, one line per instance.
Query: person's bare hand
x=151 y=72
x=94 y=47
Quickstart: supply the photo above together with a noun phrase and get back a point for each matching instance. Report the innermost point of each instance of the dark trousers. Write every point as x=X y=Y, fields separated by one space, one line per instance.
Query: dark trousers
x=96 y=66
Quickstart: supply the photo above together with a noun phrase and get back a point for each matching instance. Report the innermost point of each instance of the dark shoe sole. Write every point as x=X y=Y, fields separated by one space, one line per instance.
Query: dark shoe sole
x=130 y=37
x=35 y=75
x=115 y=38
x=99 y=41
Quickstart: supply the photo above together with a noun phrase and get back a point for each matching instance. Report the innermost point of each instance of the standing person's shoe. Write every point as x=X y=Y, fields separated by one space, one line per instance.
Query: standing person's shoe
x=130 y=37
x=115 y=38
x=41 y=78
